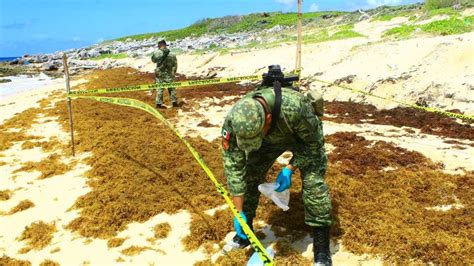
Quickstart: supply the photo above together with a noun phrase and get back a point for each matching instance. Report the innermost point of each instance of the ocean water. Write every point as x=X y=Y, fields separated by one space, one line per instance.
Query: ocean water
x=8 y=59
x=23 y=83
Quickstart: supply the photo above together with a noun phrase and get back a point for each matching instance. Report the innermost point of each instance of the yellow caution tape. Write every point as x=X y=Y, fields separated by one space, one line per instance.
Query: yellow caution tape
x=427 y=109
x=257 y=246
x=181 y=84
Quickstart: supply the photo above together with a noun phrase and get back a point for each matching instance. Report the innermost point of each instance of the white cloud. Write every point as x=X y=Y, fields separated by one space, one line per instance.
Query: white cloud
x=286 y=2
x=374 y=3
x=313 y=7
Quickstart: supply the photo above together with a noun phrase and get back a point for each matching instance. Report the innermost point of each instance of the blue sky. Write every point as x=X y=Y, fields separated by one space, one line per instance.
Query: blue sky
x=43 y=26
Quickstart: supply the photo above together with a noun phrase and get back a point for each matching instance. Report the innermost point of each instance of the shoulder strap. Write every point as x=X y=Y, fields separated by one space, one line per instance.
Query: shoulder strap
x=277 y=107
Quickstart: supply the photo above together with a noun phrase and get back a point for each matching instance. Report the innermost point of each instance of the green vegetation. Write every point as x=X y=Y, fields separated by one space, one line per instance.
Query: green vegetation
x=324 y=36
x=232 y=24
x=444 y=7
x=402 y=32
x=345 y=34
x=387 y=13
x=448 y=26
x=437 y=4
x=347 y=27
x=440 y=27
x=257 y=21
x=111 y=56
x=197 y=29
x=469 y=20
x=443 y=11
x=343 y=26
x=390 y=16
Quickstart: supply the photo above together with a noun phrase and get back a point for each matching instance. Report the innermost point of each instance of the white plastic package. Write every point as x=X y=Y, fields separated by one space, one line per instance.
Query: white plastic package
x=281 y=199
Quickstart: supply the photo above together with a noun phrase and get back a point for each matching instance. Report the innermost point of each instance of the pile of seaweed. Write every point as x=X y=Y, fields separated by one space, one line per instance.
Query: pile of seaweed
x=15 y=129
x=38 y=235
x=139 y=167
x=385 y=200
x=384 y=197
x=427 y=122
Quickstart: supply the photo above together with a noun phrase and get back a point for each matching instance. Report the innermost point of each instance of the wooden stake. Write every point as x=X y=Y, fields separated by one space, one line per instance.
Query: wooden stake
x=69 y=107
x=299 y=37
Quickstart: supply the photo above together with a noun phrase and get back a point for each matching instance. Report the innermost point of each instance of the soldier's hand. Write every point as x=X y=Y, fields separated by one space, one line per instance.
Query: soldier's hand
x=238 y=228
x=283 y=181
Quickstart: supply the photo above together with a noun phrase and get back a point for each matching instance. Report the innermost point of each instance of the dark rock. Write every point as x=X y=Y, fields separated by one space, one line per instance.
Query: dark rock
x=449 y=95
x=49 y=66
x=347 y=79
x=422 y=102
x=328 y=16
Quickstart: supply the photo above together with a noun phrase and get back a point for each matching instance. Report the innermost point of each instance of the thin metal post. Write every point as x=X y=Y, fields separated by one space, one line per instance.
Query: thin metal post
x=69 y=107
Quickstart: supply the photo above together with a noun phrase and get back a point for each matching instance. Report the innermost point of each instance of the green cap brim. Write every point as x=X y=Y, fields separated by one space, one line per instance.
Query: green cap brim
x=251 y=144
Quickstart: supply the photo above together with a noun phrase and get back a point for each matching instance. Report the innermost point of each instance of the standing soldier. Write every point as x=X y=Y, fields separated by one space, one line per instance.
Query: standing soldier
x=166 y=66
x=258 y=129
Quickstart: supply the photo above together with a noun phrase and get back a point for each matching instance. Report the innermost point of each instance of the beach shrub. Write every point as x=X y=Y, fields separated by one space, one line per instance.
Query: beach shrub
x=443 y=11
x=448 y=26
x=197 y=29
x=390 y=16
x=345 y=34
x=402 y=32
x=324 y=36
x=233 y=24
x=440 y=27
x=436 y=4
x=349 y=26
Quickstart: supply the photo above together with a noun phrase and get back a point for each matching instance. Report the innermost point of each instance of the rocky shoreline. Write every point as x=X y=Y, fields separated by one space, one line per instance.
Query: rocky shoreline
x=83 y=58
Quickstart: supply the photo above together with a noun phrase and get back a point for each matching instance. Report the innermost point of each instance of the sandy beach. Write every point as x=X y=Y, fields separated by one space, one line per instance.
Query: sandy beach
x=439 y=69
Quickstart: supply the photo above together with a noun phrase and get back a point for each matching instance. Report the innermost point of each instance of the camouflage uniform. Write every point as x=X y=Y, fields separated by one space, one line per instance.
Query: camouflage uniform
x=165 y=71
x=298 y=130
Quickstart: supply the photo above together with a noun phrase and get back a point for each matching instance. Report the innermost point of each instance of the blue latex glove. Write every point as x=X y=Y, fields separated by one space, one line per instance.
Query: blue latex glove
x=238 y=228
x=283 y=180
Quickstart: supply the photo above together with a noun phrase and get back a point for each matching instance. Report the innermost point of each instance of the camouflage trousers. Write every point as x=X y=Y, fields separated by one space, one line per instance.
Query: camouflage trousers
x=171 y=91
x=316 y=198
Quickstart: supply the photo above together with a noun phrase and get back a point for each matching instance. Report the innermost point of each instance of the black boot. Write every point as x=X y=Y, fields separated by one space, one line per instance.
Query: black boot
x=322 y=254
x=160 y=106
x=175 y=104
x=237 y=242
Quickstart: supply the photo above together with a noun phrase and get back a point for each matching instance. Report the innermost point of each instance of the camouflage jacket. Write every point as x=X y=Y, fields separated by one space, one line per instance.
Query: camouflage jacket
x=298 y=130
x=166 y=63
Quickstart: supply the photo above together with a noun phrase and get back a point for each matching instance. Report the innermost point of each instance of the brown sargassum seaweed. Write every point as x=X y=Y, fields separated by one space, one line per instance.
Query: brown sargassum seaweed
x=382 y=194
x=5 y=260
x=21 y=206
x=38 y=235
